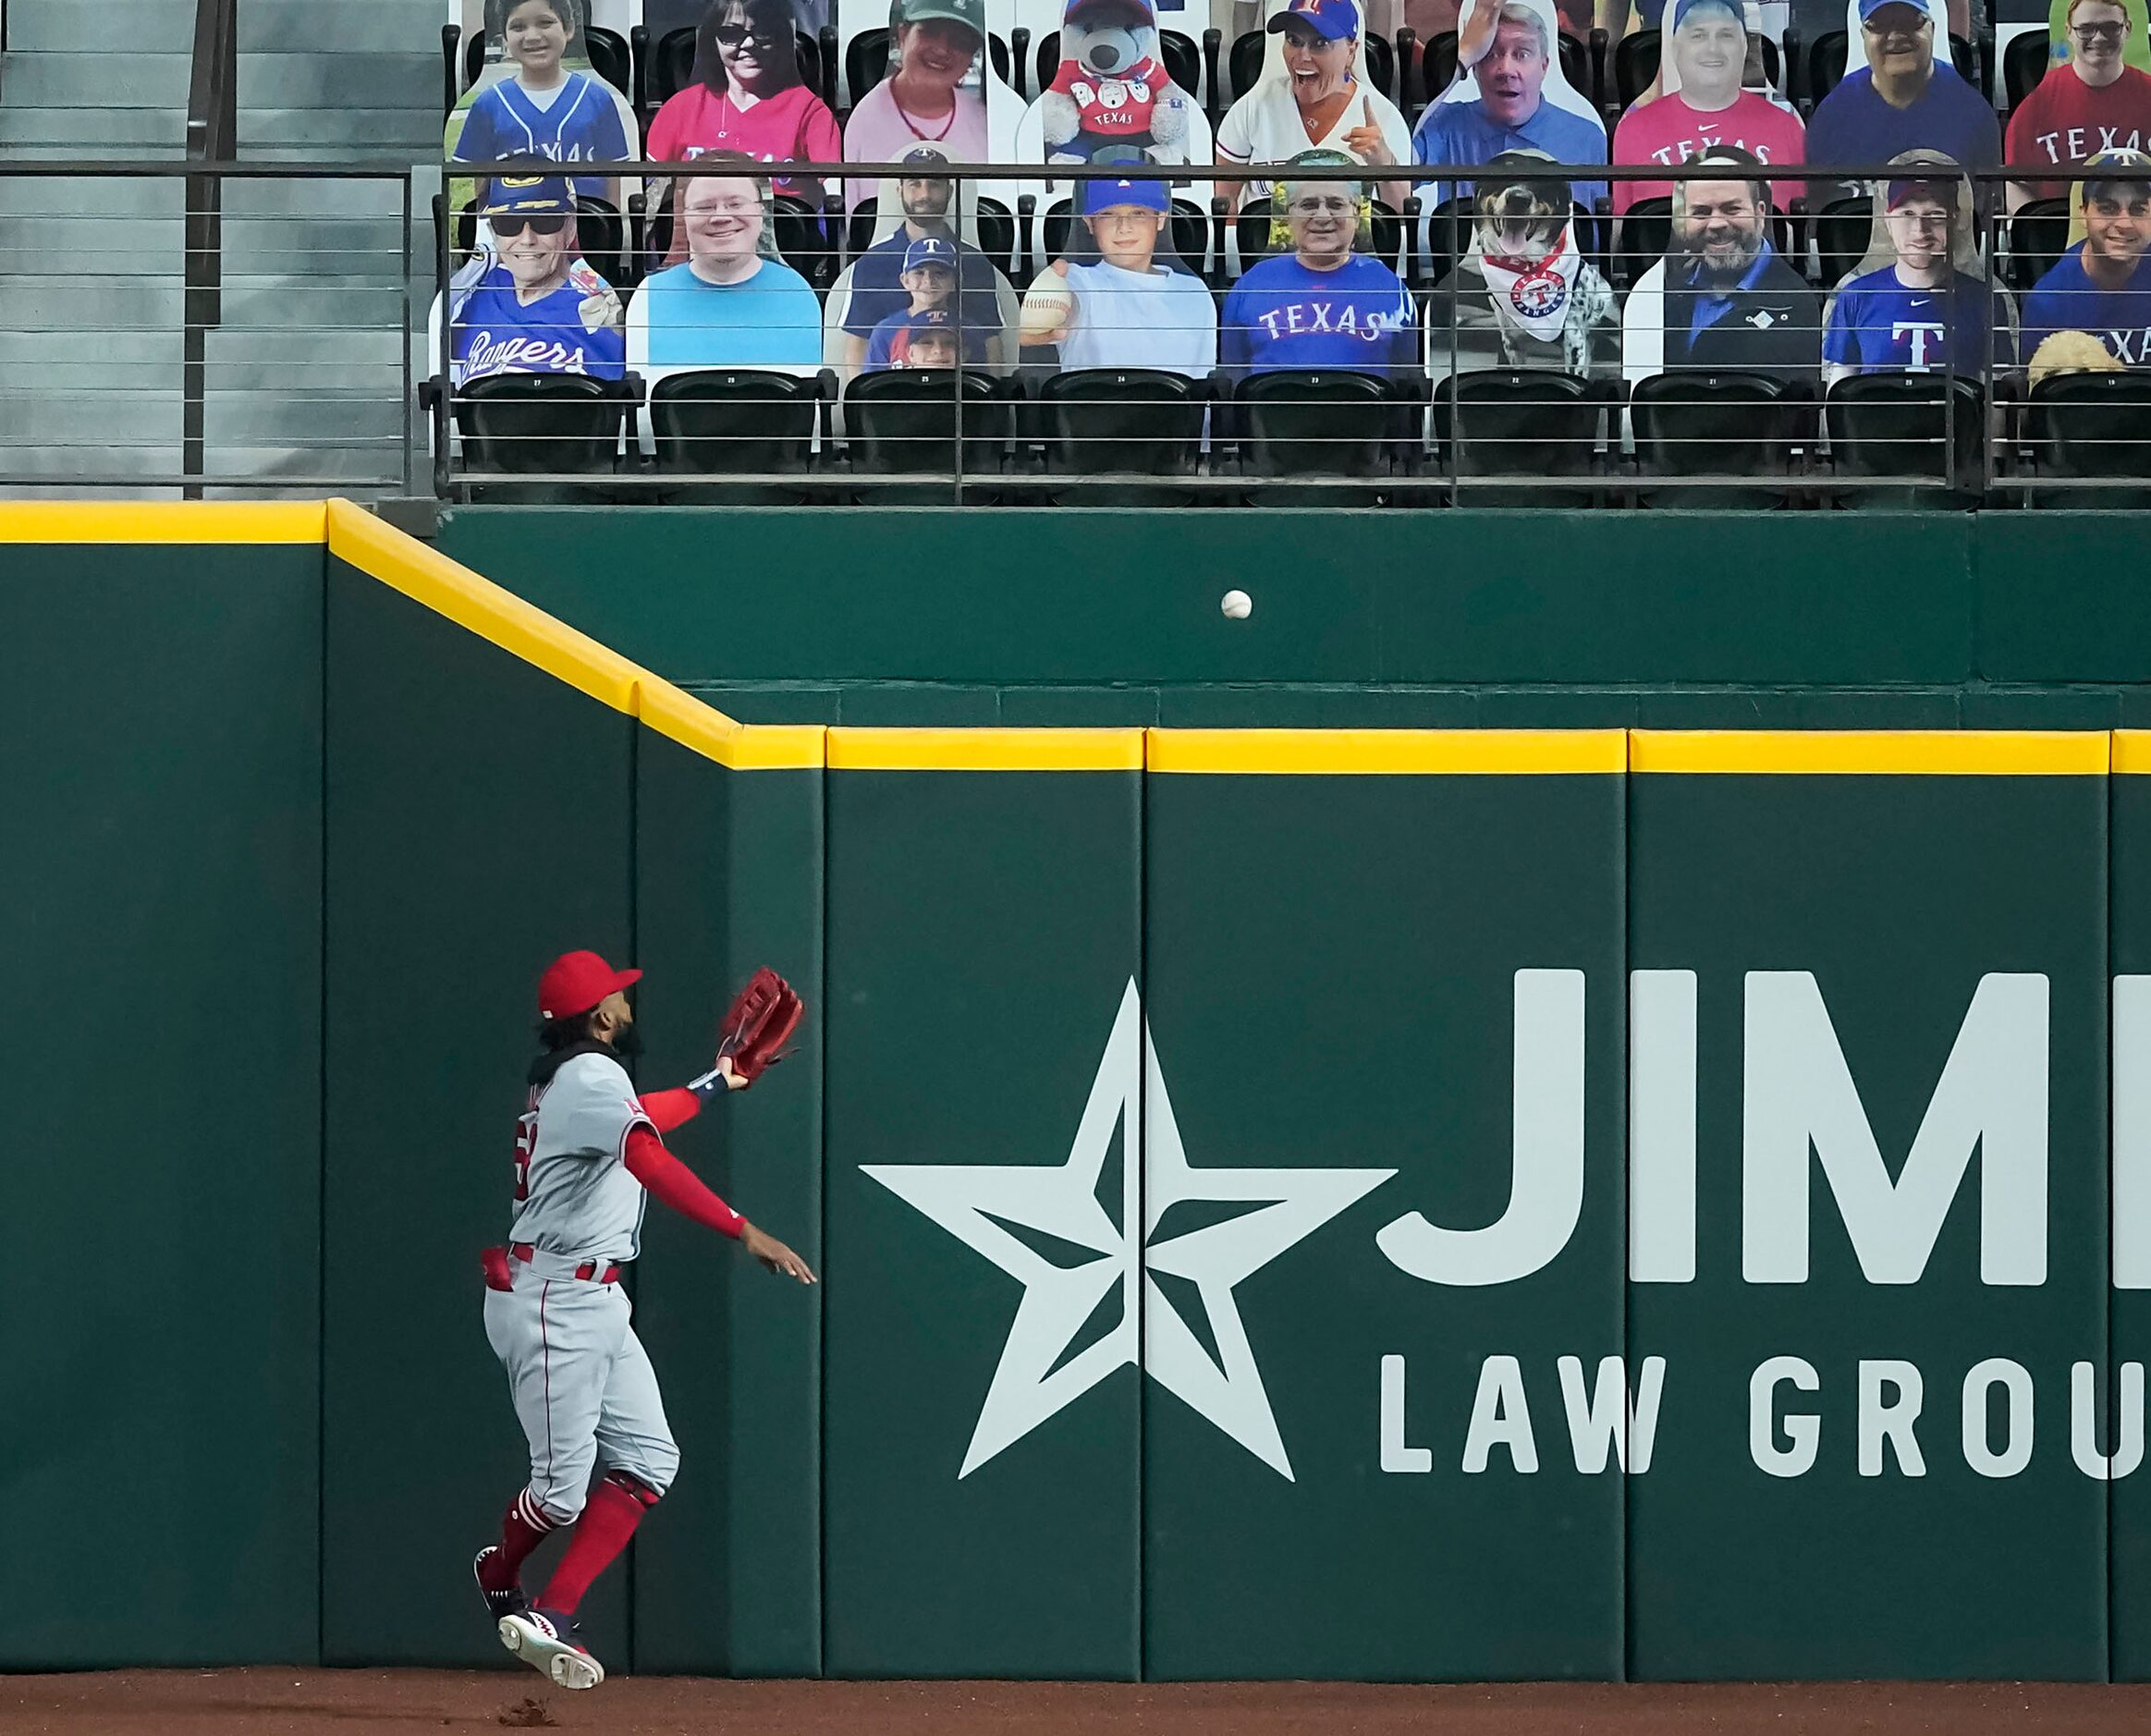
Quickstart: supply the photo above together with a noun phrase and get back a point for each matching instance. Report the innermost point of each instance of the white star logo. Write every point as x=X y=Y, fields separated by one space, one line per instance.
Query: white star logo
x=1032 y=1383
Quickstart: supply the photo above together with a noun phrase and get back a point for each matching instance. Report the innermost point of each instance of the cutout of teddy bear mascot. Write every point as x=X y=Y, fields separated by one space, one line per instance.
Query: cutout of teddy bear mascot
x=1111 y=88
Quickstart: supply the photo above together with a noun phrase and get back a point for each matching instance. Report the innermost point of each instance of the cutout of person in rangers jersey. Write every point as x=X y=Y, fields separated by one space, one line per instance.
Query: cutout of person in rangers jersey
x=547 y=106
x=533 y=306
x=2096 y=96
x=1919 y=300
x=1323 y=305
x=2102 y=285
x=588 y=1154
x=1706 y=104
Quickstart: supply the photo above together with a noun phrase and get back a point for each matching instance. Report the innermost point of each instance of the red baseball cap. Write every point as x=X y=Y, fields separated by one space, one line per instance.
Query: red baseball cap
x=576 y=981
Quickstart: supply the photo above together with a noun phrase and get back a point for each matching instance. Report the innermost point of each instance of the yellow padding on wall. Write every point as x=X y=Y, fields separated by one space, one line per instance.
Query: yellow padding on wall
x=2132 y=752
x=1877 y=754
x=453 y=592
x=1388 y=751
x=864 y=750
x=192 y=522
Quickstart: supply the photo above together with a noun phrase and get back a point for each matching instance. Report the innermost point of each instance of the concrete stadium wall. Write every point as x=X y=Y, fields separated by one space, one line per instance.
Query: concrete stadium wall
x=1408 y=1204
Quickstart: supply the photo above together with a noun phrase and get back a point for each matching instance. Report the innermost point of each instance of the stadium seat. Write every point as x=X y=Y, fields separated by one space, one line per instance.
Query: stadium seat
x=1327 y=423
x=1699 y=423
x=2083 y=426
x=540 y=424
x=1921 y=437
x=1520 y=422
x=903 y=421
x=608 y=50
x=1093 y=422
x=602 y=233
x=866 y=60
x=1183 y=58
x=1842 y=231
x=671 y=66
x=1645 y=231
x=2024 y=64
x=727 y=421
x=2034 y=238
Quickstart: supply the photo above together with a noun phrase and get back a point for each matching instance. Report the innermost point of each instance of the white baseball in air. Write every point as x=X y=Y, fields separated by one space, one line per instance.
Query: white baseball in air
x=1237 y=605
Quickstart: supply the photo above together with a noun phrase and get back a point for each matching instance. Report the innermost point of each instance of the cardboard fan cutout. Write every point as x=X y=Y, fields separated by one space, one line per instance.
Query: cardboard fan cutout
x=1919 y=300
x=1118 y=296
x=1508 y=95
x=1901 y=93
x=1313 y=94
x=1723 y=297
x=1523 y=296
x=1704 y=102
x=1111 y=94
x=940 y=91
x=2096 y=96
x=536 y=95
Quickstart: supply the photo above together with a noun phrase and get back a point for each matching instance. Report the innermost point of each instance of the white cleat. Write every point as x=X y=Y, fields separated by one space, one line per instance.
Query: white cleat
x=539 y=1639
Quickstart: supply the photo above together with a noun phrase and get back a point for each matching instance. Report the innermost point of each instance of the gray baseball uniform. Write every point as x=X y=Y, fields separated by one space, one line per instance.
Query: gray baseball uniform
x=583 y=1386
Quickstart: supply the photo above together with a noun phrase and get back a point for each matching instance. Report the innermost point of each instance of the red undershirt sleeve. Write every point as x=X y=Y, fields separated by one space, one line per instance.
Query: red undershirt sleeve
x=668 y=1109
x=678 y=1186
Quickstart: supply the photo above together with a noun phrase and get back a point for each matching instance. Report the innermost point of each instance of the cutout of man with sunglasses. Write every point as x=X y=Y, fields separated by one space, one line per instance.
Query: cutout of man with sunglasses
x=2094 y=100
x=532 y=305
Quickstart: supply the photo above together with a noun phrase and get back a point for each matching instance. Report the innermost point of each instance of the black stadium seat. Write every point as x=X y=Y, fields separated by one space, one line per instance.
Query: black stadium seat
x=1308 y=422
x=1520 y=422
x=1700 y=424
x=540 y=424
x=2034 y=238
x=1113 y=421
x=1926 y=432
x=2093 y=425
x=2024 y=64
x=903 y=421
x=730 y=421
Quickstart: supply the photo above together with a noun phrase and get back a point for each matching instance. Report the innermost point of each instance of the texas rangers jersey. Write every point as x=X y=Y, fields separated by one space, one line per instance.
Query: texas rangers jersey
x=573 y=1193
x=577 y=121
x=1878 y=325
x=570 y=331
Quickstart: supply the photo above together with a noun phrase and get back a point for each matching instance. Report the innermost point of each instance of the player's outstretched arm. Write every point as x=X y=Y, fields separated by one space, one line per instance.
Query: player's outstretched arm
x=774 y=1256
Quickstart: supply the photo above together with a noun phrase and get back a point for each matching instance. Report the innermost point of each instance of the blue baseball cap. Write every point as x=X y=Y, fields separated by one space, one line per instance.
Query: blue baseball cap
x=1095 y=196
x=529 y=196
x=1332 y=20
x=929 y=249
x=1868 y=8
x=1738 y=12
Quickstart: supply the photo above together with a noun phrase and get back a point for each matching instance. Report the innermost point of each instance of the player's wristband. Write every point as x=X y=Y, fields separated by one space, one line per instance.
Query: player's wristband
x=711 y=1085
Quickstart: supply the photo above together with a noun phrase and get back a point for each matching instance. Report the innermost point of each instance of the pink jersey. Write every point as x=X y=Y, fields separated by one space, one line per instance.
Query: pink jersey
x=1668 y=130
x=2065 y=122
x=794 y=126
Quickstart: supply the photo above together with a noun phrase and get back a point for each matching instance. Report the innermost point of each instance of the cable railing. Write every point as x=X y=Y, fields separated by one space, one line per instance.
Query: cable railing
x=1914 y=343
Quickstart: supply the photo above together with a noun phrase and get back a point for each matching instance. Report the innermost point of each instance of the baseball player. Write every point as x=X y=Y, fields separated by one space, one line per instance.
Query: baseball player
x=588 y=1154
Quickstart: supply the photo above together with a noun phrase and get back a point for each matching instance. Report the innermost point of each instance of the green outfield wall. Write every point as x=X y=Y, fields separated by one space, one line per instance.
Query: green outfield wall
x=1362 y=620
x=1408 y=1204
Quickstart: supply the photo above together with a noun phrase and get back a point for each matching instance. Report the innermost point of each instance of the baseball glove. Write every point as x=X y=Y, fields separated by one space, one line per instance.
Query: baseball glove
x=759 y=1023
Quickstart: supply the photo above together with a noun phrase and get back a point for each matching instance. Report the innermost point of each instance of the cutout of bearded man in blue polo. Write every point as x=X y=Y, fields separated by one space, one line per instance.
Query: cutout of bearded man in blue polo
x=532 y=305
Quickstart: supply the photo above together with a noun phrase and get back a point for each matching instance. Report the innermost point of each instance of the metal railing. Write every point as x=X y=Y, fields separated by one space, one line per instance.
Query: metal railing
x=1469 y=403
x=210 y=327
